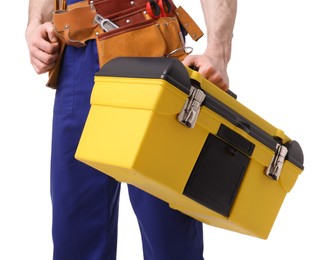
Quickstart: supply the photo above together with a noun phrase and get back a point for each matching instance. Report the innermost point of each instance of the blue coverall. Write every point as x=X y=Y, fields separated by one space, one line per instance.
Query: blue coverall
x=86 y=202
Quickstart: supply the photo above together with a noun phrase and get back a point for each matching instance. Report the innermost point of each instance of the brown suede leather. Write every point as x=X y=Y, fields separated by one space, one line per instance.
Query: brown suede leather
x=108 y=7
x=54 y=72
x=138 y=35
x=188 y=24
x=72 y=29
x=132 y=42
x=145 y=37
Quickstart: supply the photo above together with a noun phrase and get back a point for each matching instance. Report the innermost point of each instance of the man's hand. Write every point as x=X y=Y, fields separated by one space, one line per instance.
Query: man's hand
x=219 y=17
x=43 y=47
x=210 y=68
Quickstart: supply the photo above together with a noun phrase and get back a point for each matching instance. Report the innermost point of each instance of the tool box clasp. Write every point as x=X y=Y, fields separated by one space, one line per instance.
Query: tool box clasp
x=190 y=111
x=277 y=162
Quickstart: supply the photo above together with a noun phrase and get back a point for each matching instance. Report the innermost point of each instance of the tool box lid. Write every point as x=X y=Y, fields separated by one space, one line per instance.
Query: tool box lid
x=173 y=71
x=169 y=69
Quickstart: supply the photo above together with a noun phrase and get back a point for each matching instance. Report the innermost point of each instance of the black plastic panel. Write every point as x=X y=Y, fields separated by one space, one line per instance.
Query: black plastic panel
x=217 y=175
x=236 y=140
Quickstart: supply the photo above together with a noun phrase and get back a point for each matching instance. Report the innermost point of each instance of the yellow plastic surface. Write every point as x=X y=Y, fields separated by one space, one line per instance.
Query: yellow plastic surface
x=133 y=135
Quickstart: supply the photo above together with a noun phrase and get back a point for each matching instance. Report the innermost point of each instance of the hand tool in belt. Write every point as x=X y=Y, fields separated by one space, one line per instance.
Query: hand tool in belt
x=104 y=23
x=160 y=8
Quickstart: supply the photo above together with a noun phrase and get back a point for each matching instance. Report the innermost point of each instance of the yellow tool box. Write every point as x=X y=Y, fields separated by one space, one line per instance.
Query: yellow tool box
x=167 y=130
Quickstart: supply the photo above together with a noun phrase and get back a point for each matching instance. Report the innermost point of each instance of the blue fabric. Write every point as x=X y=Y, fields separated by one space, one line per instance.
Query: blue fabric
x=85 y=201
x=166 y=234
x=72 y=1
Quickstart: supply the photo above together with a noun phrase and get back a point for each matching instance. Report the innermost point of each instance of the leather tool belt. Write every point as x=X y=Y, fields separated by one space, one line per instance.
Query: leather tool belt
x=136 y=32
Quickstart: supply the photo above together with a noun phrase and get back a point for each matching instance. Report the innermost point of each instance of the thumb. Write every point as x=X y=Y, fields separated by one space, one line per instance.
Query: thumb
x=50 y=33
x=190 y=61
x=51 y=36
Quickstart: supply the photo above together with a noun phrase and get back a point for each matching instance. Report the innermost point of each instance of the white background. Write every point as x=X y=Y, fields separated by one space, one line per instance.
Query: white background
x=280 y=69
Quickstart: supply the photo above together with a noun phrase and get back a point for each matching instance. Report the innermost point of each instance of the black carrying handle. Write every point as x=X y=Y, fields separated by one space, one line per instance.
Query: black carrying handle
x=228 y=91
x=231 y=93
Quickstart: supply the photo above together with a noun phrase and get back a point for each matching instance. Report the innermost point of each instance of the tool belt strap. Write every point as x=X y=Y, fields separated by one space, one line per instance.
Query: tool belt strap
x=75 y=31
x=75 y=24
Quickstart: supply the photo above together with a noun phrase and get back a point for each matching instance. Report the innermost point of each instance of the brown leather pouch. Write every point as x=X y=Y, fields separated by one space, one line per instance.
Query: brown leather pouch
x=188 y=24
x=71 y=29
x=53 y=74
x=75 y=25
x=146 y=38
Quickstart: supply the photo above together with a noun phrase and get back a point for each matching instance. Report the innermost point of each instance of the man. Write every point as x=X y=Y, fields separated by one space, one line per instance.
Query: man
x=85 y=201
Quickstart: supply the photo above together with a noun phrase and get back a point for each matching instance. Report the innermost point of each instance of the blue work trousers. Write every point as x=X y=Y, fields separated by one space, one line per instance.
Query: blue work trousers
x=86 y=201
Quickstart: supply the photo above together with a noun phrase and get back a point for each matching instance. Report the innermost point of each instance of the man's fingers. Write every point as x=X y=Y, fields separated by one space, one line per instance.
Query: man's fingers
x=39 y=66
x=45 y=49
x=190 y=61
x=218 y=78
x=51 y=34
x=46 y=40
x=208 y=70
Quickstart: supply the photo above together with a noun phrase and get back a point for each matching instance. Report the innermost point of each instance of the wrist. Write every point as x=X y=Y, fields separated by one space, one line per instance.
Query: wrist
x=35 y=20
x=219 y=50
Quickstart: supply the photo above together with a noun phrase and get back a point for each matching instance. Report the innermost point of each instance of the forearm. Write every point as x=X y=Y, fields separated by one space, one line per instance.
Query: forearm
x=40 y=11
x=219 y=18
